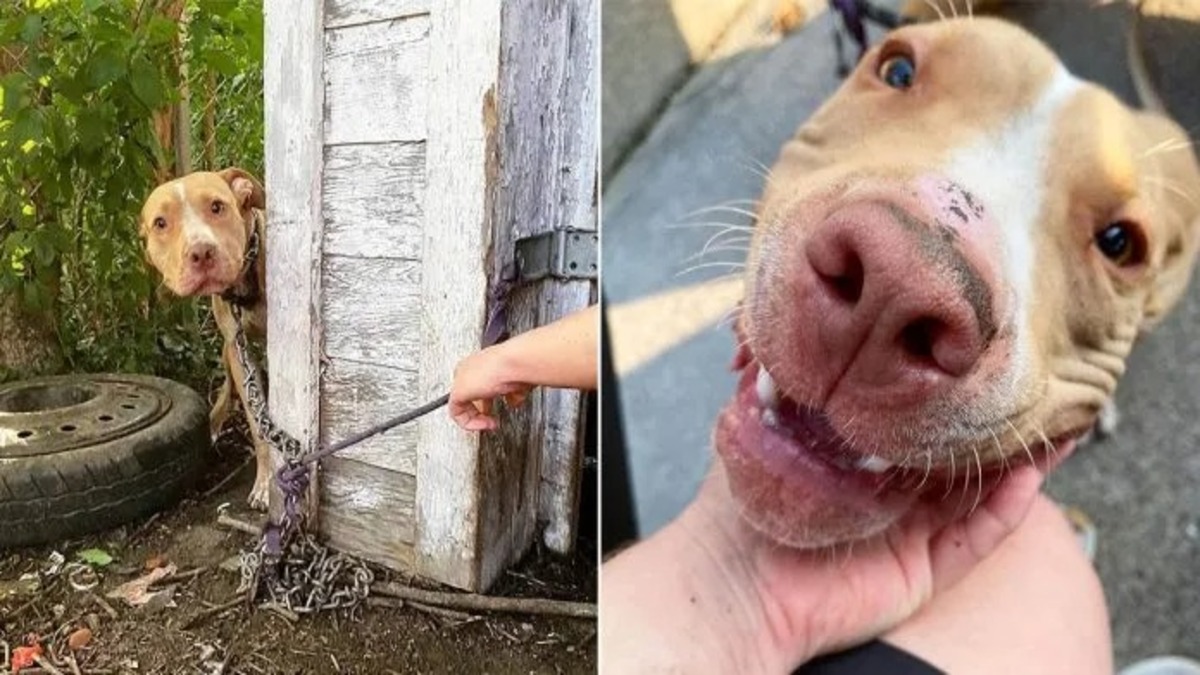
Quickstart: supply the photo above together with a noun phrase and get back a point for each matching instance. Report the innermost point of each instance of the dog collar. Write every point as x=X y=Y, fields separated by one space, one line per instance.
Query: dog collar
x=245 y=292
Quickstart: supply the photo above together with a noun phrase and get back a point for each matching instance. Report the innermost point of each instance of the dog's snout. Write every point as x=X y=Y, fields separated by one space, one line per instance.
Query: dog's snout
x=904 y=306
x=202 y=255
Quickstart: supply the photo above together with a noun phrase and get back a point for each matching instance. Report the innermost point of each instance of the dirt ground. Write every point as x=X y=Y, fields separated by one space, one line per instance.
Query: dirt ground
x=147 y=640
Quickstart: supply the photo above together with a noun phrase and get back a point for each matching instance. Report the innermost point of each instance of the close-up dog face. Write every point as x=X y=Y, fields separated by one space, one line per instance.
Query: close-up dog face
x=952 y=260
x=196 y=228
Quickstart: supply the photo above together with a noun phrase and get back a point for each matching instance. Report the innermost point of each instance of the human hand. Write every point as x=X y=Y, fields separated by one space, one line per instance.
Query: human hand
x=479 y=380
x=713 y=595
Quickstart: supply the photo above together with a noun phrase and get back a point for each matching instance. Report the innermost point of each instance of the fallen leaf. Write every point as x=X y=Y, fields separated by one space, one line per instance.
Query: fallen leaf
x=95 y=556
x=136 y=593
x=79 y=639
x=22 y=657
x=21 y=587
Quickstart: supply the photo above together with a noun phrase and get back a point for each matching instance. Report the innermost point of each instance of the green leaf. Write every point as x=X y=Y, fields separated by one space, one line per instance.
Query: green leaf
x=92 y=129
x=147 y=84
x=95 y=556
x=31 y=30
x=27 y=126
x=160 y=31
x=44 y=252
x=105 y=67
x=222 y=62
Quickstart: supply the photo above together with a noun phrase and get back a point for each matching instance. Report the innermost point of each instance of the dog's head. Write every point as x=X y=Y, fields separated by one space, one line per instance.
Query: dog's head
x=196 y=229
x=952 y=260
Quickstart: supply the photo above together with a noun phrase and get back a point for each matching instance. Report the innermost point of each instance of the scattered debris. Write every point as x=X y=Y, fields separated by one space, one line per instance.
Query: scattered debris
x=239 y=525
x=137 y=592
x=96 y=557
x=204 y=614
x=487 y=603
x=26 y=655
x=79 y=638
x=26 y=585
x=82 y=577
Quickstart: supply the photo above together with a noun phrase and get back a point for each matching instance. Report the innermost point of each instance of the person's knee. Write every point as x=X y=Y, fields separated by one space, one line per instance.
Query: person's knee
x=1034 y=606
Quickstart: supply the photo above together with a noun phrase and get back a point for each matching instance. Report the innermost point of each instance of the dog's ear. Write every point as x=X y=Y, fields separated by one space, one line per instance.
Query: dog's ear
x=1175 y=188
x=248 y=190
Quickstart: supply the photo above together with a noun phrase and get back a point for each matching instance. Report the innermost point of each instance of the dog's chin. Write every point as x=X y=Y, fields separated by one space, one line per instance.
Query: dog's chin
x=799 y=482
x=794 y=479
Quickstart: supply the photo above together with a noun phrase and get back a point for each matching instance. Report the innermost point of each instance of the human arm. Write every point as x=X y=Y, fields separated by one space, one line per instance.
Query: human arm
x=559 y=354
x=708 y=594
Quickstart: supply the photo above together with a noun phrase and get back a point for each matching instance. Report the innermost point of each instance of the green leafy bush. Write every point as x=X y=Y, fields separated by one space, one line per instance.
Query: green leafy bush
x=81 y=81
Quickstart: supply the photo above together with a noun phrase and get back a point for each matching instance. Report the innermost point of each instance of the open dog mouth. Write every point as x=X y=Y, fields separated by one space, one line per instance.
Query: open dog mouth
x=806 y=483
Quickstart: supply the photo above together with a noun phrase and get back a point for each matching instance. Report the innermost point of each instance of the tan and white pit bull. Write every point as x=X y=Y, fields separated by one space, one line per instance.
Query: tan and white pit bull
x=952 y=260
x=197 y=230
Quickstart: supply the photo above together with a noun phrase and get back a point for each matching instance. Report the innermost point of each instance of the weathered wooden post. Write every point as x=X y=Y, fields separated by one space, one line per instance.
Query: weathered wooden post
x=410 y=145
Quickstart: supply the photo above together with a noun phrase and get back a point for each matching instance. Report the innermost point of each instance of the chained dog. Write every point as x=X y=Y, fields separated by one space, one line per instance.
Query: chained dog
x=205 y=234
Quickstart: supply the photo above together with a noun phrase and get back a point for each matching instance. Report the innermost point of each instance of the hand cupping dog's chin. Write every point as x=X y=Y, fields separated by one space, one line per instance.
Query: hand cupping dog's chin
x=809 y=602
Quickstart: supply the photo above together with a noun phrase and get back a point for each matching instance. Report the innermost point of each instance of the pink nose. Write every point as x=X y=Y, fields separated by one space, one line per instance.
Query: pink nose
x=901 y=308
x=201 y=256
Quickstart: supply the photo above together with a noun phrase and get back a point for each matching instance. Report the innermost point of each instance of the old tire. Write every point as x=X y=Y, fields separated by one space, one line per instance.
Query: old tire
x=83 y=453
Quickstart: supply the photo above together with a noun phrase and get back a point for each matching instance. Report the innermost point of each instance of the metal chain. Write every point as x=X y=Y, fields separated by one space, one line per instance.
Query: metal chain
x=296 y=571
x=304 y=576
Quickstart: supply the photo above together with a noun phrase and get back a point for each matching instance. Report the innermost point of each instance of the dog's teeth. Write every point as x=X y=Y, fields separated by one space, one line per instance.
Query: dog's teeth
x=873 y=464
x=765 y=386
x=769 y=418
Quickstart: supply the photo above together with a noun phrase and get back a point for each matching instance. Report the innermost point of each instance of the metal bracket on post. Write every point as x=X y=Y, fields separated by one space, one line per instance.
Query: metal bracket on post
x=562 y=254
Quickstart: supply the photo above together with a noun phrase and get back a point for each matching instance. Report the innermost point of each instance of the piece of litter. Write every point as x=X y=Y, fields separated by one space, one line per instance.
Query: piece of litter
x=82 y=577
x=26 y=585
x=22 y=657
x=95 y=556
x=79 y=639
x=137 y=592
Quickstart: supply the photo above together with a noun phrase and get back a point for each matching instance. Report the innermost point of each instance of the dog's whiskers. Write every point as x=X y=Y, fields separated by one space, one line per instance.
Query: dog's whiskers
x=1171 y=186
x=979 y=482
x=741 y=227
x=707 y=265
x=1028 y=452
x=937 y=8
x=928 y=470
x=953 y=478
x=1169 y=145
x=724 y=208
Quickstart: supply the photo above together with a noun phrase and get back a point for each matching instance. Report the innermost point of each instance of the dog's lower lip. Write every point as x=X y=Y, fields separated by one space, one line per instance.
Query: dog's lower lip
x=793 y=431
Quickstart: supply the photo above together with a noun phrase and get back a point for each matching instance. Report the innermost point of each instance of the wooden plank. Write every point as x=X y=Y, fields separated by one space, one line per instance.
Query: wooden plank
x=368 y=511
x=357 y=396
x=374 y=200
x=372 y=311
x=376 y=82
x=341 y=13
x=464 y=50
x=293 y=91
x=548 y=147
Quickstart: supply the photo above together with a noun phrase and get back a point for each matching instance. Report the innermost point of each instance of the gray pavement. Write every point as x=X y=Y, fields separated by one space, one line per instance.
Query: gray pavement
x=1139 y=486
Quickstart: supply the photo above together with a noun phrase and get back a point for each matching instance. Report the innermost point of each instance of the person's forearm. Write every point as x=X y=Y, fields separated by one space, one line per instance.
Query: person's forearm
x=685 y=601
x=560 y=354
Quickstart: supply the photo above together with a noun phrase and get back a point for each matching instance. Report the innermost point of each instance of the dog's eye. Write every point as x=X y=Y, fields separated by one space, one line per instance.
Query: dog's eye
x=898 y=72
x=1122 y=242
x=218 y=207
x=160 y=223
